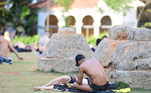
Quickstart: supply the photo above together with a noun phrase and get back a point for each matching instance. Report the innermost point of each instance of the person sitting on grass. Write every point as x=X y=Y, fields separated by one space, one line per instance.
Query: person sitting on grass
x=96 y=79
x=92 y=68
x=5 y=49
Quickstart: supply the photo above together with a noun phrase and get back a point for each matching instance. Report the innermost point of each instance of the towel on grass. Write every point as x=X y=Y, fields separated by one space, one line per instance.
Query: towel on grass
x=68 y=89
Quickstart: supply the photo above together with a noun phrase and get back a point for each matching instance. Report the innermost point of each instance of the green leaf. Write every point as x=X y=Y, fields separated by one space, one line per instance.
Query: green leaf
x=25 y=12
x=65 y=3
x=118 y=5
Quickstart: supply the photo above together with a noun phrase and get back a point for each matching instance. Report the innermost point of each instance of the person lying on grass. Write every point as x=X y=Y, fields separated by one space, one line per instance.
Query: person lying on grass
x=60 y=81
x=5 y=49
x=96 y=76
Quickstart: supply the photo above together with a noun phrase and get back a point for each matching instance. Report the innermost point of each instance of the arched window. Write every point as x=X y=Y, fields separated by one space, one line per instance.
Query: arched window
x=106 y=23
x=87 y=29
x=87 y=20
x=106 y=20
x=51 y=24
x=70 y=21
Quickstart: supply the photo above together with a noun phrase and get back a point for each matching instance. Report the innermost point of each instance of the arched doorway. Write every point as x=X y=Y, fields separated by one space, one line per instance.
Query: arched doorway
x=106 y=23
x=70 y=21
x=51 y=24
x=87 y=28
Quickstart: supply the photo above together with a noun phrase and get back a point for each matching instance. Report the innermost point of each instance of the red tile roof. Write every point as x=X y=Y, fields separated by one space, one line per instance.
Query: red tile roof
x=75 y=4
x=84 y=3
x=42 y=4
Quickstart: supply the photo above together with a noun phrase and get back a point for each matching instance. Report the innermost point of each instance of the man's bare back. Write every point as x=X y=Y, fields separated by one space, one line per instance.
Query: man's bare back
x=97 y=77
x=4 y=47
x=95 y=71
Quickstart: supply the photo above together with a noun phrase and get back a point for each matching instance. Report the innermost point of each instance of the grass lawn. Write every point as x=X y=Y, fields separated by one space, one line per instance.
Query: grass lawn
x=21 y=76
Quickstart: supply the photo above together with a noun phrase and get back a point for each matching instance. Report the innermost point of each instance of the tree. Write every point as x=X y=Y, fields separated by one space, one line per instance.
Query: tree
x=65 y=3
x=20 y=15
x=3 y=12
x=144 y=18
x=118 y=5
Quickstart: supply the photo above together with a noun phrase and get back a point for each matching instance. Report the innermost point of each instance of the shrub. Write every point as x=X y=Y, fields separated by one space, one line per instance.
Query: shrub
x=26 y=39
x=92 y=40
x=147 y=25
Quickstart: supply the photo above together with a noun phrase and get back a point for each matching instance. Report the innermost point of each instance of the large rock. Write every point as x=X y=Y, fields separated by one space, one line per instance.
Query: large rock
x=121 y=33
x=128 y=49
x=105 y=50
x=125 y=54
x=133 y=55
x=136 y=79
x=62 y=48
x=129 y=33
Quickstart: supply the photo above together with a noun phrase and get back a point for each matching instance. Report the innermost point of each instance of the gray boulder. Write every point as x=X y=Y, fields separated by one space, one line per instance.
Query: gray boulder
x=129 y=33
x=121 y=33
x=133 y=55
x=62 y=48
x=125 y=54
x=136 y=79
x=128 y=49
x=142 y=34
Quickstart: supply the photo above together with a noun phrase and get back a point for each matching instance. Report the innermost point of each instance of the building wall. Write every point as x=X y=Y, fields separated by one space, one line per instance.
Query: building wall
x=41 y=22
x=79 y=14
x=130 y=18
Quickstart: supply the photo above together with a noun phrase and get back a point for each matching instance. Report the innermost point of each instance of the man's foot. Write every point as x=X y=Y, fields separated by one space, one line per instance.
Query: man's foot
x=43 y=88
x=37 y=88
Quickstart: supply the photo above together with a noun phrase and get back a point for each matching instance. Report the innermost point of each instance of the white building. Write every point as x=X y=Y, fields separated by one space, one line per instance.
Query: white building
x=88 y=17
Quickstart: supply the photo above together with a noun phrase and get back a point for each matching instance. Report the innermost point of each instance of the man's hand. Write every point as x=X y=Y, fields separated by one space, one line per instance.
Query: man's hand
x=75 y=85
x=80 y=76
x=20 y=58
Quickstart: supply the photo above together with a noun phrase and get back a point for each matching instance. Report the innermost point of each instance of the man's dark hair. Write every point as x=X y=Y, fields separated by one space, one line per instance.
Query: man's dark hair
x=98 y=41
x=78 y=58
x=2 y=33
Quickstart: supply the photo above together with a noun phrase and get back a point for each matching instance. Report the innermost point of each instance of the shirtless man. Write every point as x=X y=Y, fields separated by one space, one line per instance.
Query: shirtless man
x=94 y=70
x=5 y=49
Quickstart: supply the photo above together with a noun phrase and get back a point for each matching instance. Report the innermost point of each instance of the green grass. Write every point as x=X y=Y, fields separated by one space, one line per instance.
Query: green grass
x=21 y=77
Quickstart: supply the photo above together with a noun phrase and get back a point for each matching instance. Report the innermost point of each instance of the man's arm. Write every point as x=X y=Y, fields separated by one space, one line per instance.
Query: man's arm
x=14 y=51
x=80 y=76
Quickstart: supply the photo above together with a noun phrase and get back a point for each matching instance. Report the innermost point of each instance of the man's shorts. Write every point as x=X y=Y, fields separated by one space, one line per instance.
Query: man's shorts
x=73 y=79
x=97 y=87
x=5 y=60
